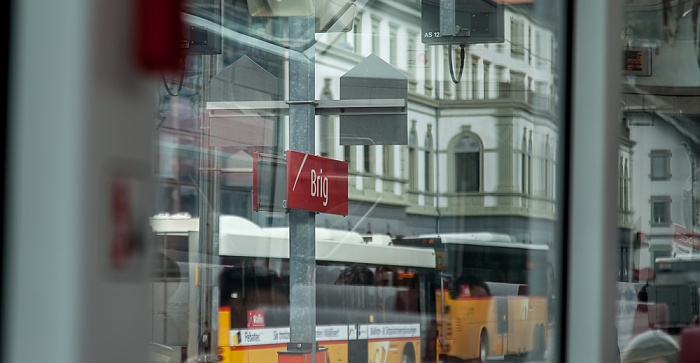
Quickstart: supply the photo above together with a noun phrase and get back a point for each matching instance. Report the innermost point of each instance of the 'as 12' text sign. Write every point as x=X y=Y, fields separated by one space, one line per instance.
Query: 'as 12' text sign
x=316 y=184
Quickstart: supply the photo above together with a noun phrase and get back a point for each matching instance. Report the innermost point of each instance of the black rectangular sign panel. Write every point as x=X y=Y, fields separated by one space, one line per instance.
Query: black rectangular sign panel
x=477 y=21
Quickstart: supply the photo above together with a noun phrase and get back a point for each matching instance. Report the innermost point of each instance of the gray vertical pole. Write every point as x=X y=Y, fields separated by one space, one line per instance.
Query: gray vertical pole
x=302 y=237
x=595 y=132
x=209 y=231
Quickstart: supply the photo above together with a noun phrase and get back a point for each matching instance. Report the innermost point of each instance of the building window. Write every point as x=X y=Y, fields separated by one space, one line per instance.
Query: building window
x=347 y=157
x=393 y=46
x=487 y=80
x=517 y=38
x=429 y=160
x=660 y=210
x=428 y=69
x=517 y=84
x=376 y=37
x=660 y=164
x=467 y=153
x=475 y=78
x=539 y=61
x=524 y=164
x=620 y=184
x=626 y=187
x=412 y=59
x=326 y=123
x=412 y=167
x=529 y=165
x=529 y=45
x=358 y=33
x=547 y=171
x=367 y=161
x=388 y=160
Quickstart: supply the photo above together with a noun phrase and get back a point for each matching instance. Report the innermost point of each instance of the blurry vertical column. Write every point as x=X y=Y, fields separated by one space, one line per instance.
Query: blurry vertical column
x=200 y=53
x=592 y=183
x=81 y=124
x=231 y=130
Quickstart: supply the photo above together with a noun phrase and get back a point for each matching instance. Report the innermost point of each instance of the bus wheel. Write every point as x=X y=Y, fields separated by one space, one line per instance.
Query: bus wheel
x=483 y=347
x=537 y=352
x=409 y=356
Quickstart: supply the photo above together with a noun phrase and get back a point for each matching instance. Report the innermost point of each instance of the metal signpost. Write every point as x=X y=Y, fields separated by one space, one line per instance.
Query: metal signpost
x=302 y=223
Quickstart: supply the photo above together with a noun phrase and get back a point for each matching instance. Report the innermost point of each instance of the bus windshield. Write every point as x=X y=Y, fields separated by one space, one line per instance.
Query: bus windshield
x=678 y=270
x=496 y=264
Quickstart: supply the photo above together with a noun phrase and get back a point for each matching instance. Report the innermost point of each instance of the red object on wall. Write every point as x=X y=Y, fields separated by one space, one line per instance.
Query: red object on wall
x=256 y=318
x=122 y=244
x=159 y=34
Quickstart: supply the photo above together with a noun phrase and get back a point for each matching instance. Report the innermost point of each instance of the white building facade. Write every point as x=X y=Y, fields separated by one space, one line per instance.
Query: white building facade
x=489 y=164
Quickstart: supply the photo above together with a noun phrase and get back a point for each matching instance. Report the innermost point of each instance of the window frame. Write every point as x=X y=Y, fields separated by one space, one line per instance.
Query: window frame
x=665 y=156
x=653 y=200
x=454 y=183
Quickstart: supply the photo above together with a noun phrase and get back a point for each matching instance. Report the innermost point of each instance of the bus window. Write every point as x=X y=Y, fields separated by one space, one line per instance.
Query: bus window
x=251 y=291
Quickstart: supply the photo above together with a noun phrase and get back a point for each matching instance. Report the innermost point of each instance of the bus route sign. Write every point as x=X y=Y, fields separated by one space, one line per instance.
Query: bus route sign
x=317 y=184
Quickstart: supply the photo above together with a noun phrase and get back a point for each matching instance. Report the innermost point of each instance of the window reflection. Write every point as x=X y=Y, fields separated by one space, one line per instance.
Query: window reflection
x=657 y=199
x=481 y=158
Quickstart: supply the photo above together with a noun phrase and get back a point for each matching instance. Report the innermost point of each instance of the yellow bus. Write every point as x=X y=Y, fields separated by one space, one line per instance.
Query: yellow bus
x=372 y=298
x=492 y=298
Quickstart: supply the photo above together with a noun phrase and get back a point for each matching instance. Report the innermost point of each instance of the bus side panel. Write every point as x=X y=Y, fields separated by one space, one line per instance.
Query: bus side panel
x=527 y=314
x=470 y=317
x=252 y=355
x=337 y=352
x=392 y=351
x=520 y=327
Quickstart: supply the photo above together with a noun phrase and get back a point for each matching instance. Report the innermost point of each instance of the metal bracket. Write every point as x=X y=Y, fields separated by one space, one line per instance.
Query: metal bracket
x=389 y=106
x=447 y=18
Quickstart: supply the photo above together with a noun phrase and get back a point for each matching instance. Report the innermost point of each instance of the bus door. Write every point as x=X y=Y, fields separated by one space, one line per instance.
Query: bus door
x=503 y=319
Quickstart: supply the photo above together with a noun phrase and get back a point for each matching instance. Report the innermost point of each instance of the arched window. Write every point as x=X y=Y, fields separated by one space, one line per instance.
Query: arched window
x=467 y=156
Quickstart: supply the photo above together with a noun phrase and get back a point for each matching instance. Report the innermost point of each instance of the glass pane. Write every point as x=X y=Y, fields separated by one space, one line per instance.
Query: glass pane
x=658 y=240
x=368 y=180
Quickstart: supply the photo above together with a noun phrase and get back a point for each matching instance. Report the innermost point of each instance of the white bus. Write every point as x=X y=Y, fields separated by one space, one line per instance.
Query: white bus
x=373 y=301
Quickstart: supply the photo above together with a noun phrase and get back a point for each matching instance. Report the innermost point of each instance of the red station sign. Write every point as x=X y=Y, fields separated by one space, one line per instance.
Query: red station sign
x=317 y=184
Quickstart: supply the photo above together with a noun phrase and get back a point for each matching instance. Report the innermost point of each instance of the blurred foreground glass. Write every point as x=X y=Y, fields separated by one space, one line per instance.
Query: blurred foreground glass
x=659 y=271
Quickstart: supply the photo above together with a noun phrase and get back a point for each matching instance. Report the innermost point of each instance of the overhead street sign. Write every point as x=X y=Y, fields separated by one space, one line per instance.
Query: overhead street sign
x=317 y=184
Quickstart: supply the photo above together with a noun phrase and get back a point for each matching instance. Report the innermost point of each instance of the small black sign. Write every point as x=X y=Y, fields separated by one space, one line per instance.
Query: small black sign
x=636 y=62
